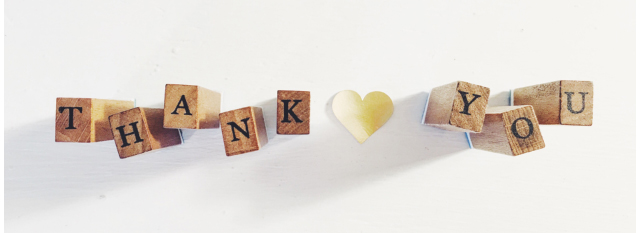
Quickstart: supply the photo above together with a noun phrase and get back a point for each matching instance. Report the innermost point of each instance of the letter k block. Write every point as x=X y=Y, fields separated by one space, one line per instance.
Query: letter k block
x=293 y=112
x=458 y=106
x=243 y=130
x=139 y=130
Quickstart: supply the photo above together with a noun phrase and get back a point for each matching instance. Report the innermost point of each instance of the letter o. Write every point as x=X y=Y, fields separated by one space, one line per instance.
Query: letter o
x=514 y=129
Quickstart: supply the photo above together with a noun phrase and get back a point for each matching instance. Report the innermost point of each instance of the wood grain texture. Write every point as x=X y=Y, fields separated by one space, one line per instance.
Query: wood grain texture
x=551 y=101
x=151 y=135
x=191 y=107
x=243 y=130
x=446 y=107
x=511 y=130
x=297 y=119
x=89 y=124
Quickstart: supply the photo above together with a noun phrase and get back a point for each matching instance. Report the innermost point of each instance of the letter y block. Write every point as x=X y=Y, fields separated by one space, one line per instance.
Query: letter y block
x=243 y=130
x=139 y=130
x=458 y=106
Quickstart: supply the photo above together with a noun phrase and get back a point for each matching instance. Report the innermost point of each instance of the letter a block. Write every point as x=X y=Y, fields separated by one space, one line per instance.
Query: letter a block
x=140 y=130
x=191 y=107
x=511 y=130
x=458 y=106
x=243 y=130
x=85 y=119
x=294 y=112
x=562 y=102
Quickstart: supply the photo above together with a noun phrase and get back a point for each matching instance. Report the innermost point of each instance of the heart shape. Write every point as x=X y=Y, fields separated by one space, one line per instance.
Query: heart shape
x=362 y=117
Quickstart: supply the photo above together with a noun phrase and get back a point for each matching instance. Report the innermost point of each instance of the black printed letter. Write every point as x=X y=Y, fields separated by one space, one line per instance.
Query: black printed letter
x=289 y=111
x=123 y=135
x=61 y=109
x=185 y=106
x=570 y=107
x=514 y=128
x=235 y=126
x=466 y=102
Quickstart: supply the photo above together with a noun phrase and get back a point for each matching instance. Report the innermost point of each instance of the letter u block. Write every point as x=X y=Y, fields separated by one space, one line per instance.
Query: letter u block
x=511 y=130
x=458 y=106
x=191 y=107
x=140 y=130
x=85 y=119
x=562 y=102
x=294 y=112
x=243 y=130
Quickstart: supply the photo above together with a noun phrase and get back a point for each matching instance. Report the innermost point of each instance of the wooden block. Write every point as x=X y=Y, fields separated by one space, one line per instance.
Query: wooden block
x=511 y=130
x=458 y=106
x=243 y=130
x=191 y=107
x=85 y=119
x=140 y=130
x=562 y=102
x=294 y=112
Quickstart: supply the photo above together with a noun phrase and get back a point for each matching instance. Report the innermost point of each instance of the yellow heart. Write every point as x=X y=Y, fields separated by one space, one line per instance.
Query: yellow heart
x=362 y=117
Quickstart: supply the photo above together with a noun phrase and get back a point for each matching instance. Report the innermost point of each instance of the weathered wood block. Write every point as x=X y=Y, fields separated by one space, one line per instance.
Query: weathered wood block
x=293 y=112
x=243 y=130
x=191 y=107
x=139 y=130
x=511 y=130
x=562 y=102
x=85 y=119
x=458 y=106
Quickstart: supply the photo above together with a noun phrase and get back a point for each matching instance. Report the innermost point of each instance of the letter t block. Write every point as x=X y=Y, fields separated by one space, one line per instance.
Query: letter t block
x=563 y=102
x=85 y=119
x=458 y=106
x=140 y=130
x=294 y=112
x=511 y=130
x=243 y=130
x=191 y=107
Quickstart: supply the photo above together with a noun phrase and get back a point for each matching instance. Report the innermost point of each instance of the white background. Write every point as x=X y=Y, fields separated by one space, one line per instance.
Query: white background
x=406 y=178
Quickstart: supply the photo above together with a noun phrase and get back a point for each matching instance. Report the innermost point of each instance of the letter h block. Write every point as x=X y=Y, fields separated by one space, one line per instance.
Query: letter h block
x=458 y=106
x=85 y=119
x=511 y=130
x=562 y=102
x=243 y=130
x=140 y=130
x=191 y=107
x=293 y=112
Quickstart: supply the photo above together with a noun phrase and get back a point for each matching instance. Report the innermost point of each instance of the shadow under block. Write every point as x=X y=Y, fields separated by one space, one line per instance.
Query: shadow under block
x=191 y=107
x=458 y=106
x=243 y=130
x=293 y=112
x=85 y=119
x=511 y=130
x=562 y=102
x=139 y=130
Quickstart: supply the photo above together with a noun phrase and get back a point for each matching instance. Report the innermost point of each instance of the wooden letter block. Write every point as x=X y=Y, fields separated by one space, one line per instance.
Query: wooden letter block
x=85 y=119
x=191 y=107
x=243 y=130
x=458 y=106
x=562 y=102
x=294 y=112
x=140 y=130
x=511 y=130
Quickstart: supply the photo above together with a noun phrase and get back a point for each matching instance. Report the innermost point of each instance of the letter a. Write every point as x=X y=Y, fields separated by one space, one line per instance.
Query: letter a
x=183 y=101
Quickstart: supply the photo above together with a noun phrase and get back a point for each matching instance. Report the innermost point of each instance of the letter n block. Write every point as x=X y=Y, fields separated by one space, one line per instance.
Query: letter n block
x=563 y=102
x=243 y=130
x=458 y=106
x=140 y=130
x=294 y=112
x=85 y=119
x=511 y=130
x=191 y=107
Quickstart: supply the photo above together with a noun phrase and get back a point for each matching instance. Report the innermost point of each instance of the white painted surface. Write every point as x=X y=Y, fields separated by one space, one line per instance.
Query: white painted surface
x=406 y=178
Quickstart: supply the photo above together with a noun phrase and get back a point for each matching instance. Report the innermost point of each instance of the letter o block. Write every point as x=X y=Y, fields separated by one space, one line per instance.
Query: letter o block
x=191 y=107
x=243 y=130
x=85 y=119
x=511 y=130
x=140 y=130
x=294 y=112
x=458 y=106
x=563 y=102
